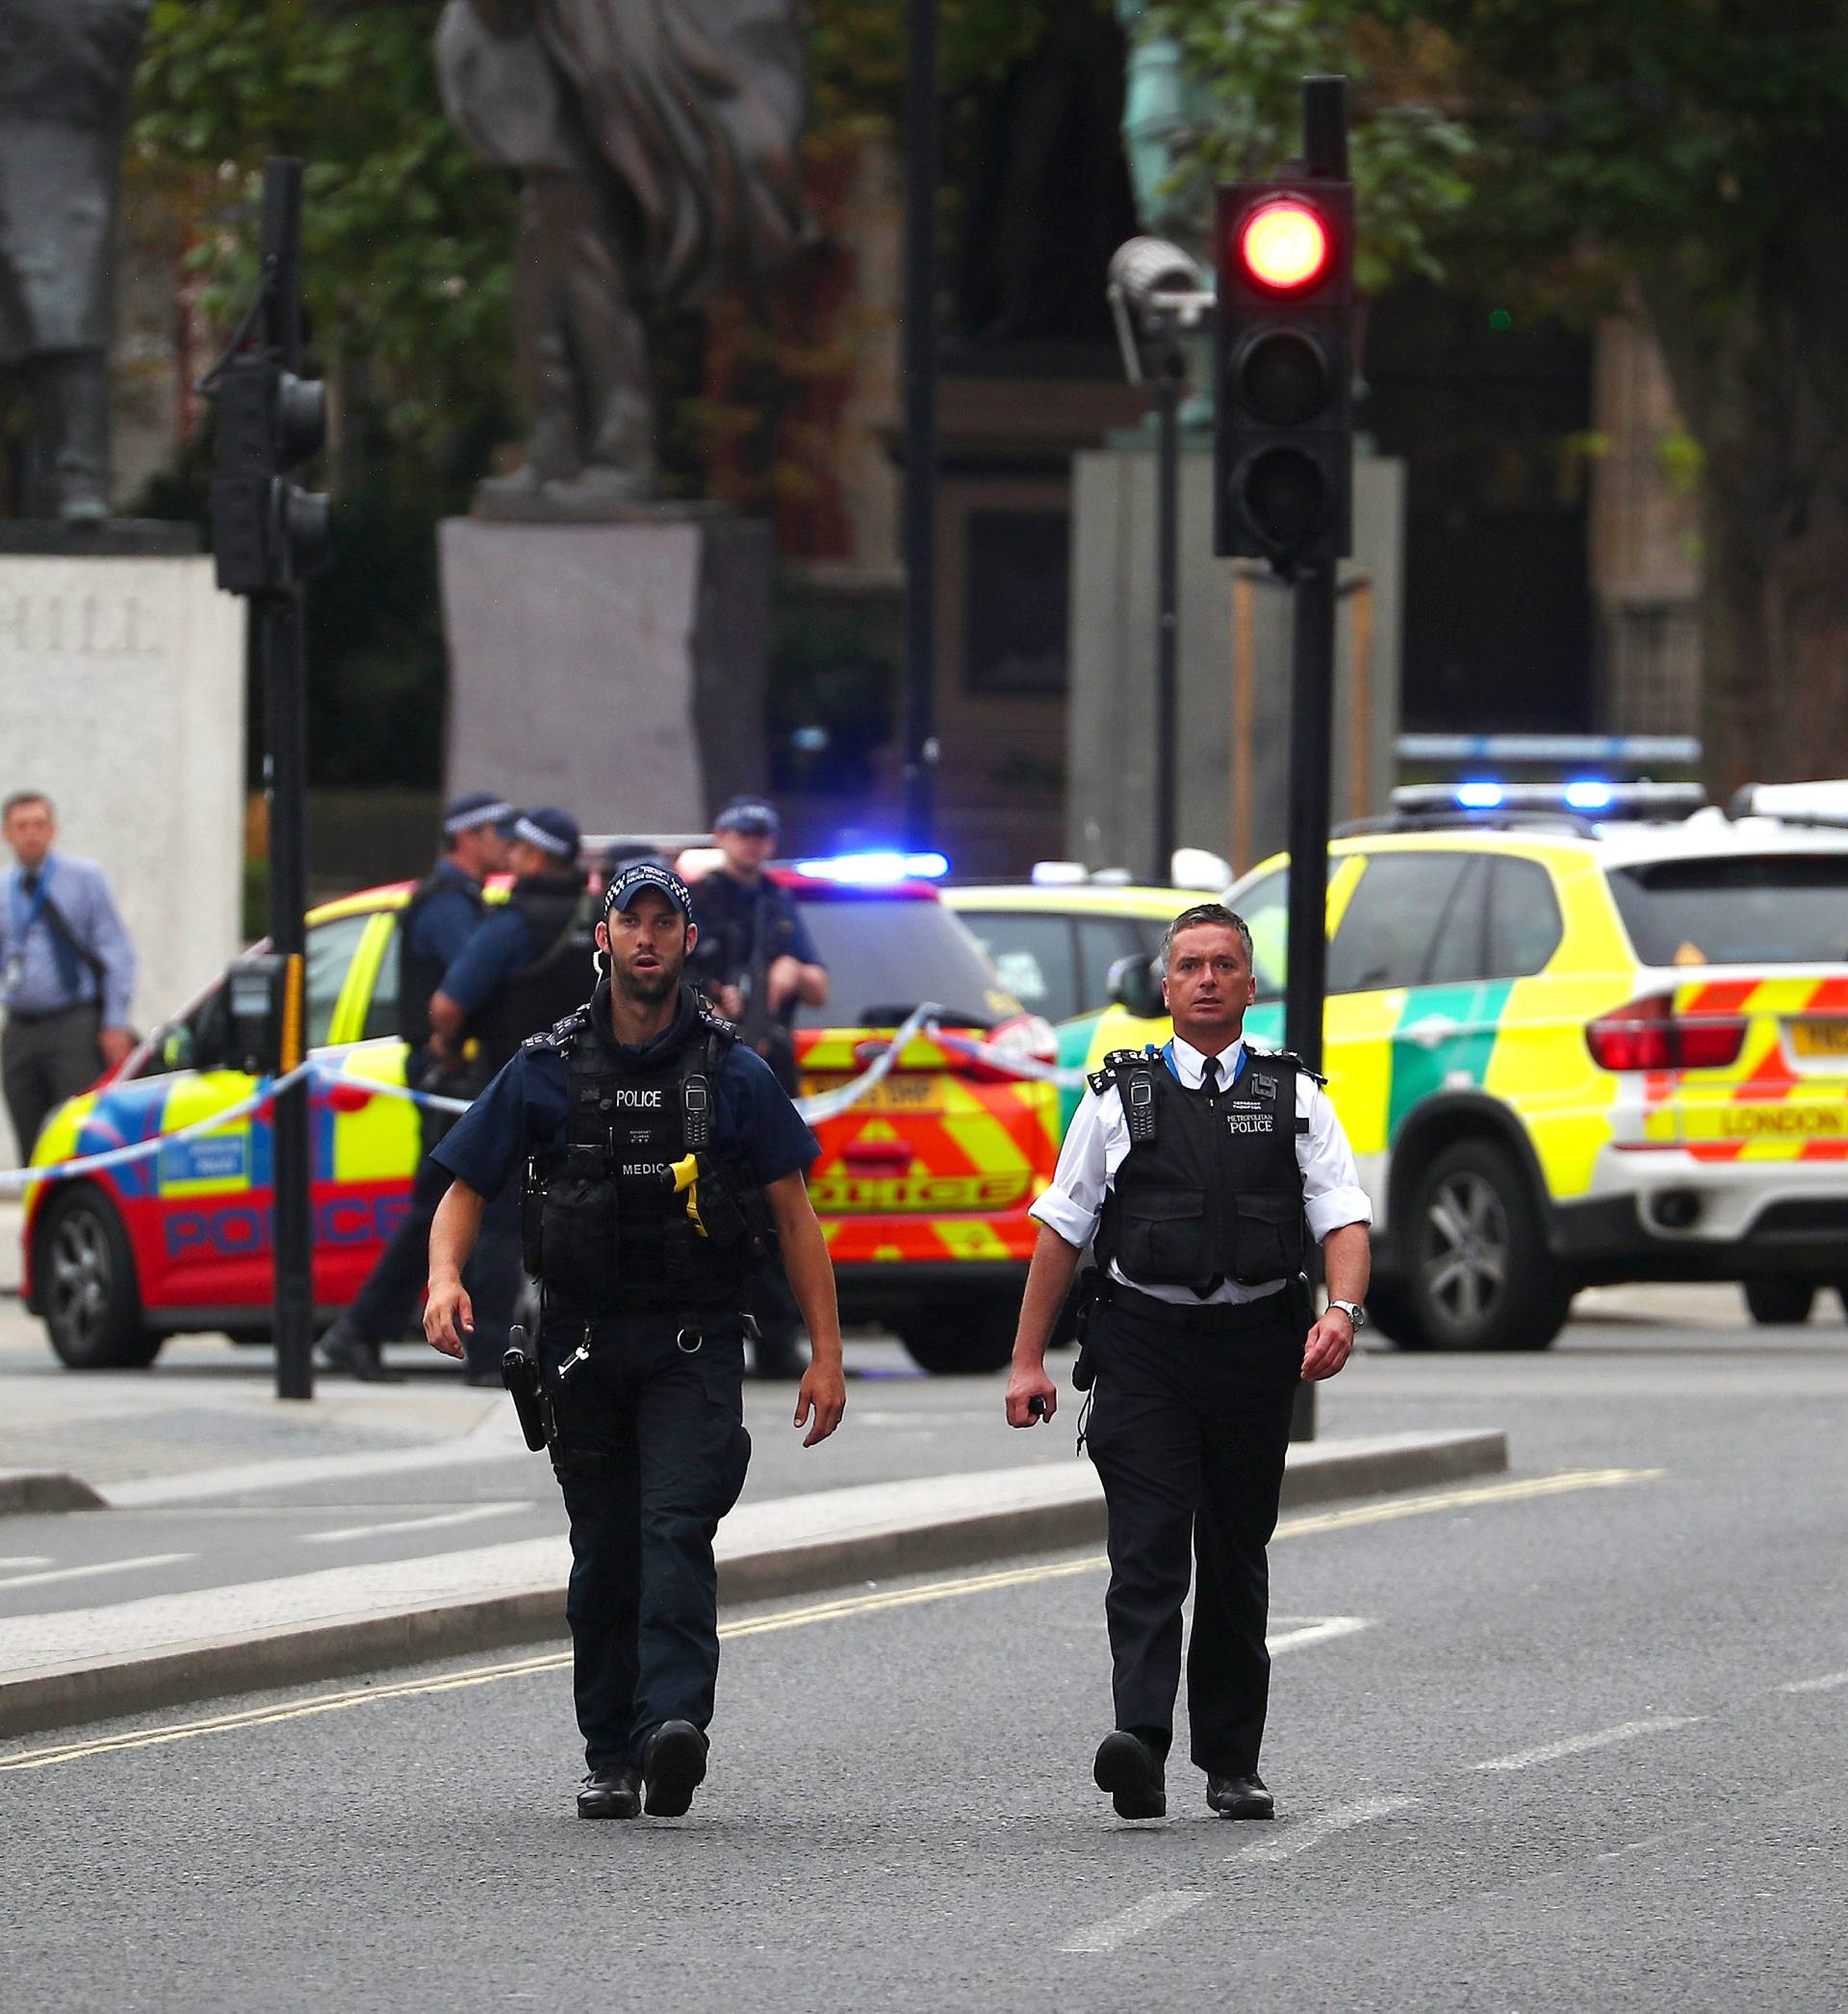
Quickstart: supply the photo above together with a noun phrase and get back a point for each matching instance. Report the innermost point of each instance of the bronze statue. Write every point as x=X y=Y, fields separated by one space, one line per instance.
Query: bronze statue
x=656 y=146
x=65 y=70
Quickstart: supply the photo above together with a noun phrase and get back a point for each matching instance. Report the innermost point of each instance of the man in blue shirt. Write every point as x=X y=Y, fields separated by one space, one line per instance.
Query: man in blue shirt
x=67 y=970
x=666 y=1162
x=434 y=929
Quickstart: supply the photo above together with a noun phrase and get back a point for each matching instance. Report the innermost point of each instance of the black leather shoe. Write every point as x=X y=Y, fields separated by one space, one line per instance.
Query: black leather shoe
x=345 y=1349
x=1241 y=1797
x=1126 y=1769
x=615 y=1793
x=673 y=1767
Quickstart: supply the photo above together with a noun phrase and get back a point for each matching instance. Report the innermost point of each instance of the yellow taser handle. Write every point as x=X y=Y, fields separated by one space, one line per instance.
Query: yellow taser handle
x=686 y=1182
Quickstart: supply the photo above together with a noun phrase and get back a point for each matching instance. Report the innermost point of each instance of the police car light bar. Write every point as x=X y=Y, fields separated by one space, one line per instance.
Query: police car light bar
x=1820 y=803
x=1587 y=796
x=876 y=870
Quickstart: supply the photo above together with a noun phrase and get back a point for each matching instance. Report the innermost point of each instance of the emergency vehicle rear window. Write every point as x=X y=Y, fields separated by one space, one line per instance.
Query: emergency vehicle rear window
x=1758 y=909
x=887 y=954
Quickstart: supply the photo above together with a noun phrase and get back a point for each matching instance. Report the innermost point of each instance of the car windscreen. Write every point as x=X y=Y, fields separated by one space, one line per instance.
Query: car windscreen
x=1754 y=909
x=887 y=954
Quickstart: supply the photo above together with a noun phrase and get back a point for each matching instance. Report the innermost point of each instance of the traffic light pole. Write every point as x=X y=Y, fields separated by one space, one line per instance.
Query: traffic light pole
x=1312 y=717
x=921 y=152
x=1312 y=727
x=279 y=631
x=1168 y=374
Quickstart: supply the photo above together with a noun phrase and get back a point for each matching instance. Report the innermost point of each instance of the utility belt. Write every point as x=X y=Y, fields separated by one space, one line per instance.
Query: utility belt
x=538 y=1415
x=1291 y=1302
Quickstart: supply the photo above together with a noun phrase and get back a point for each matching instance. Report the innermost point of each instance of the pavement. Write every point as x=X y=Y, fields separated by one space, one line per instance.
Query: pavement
x=1570 y=1736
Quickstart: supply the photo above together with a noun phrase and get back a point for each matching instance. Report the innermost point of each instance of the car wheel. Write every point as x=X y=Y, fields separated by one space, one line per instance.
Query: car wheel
x=87 y=1295
x=1774 y=1300
x=1480 y=1277
x=950 y=1338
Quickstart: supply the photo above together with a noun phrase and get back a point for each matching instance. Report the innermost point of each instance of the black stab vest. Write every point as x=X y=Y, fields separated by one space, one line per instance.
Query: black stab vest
x=605 y=1228
x=1210 y=1188
x=557 y=910
x=419 y=973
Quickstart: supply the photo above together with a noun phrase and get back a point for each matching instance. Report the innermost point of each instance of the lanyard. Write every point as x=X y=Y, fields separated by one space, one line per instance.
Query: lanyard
x=1237 y=1063
x=40 y=896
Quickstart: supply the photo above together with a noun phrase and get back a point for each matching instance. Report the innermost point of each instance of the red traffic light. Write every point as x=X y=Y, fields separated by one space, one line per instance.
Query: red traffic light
x=1284 y=245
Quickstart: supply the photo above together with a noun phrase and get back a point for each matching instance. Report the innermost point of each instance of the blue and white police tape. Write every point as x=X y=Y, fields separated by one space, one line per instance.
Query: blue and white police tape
x=815 y=1109
x=15 y=1182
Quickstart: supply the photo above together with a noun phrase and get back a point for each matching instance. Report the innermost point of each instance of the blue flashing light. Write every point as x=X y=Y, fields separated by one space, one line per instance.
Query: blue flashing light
x=1479 y=796
x=1589 y=794
x=876 y=870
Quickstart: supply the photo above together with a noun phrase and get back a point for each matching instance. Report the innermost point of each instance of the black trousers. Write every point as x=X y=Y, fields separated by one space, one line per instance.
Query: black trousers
x=652 y=1453
x=384 y=1308
x=1188 y=1431
x=43 y=1063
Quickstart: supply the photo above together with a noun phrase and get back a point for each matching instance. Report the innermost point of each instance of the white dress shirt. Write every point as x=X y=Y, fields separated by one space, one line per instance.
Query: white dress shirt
x=1098 y=1140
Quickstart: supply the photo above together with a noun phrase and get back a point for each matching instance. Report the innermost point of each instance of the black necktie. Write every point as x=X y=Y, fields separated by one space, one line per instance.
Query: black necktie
x=1209 y=1084
x=29 y=880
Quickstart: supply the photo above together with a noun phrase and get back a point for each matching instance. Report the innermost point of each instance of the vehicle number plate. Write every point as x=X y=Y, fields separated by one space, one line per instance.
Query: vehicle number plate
x=1820 y=1038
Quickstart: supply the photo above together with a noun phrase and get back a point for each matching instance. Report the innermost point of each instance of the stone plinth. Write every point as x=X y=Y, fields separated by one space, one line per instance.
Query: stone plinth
x=616 y=669
x=122 y=698
x=1110 y=725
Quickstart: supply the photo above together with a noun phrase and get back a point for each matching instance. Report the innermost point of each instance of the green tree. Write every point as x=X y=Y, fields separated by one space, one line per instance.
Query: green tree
x=405 y=236
x=1686 y=159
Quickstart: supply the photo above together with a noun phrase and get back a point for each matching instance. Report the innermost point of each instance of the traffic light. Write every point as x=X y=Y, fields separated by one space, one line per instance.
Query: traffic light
x=268 y=534
x=1283 y=448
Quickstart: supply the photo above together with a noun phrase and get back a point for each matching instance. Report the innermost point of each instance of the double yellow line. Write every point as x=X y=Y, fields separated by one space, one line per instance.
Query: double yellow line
x=840 y=1609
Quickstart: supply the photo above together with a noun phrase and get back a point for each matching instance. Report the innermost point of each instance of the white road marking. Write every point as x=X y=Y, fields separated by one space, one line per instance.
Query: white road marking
x=1320 y=1630
x=1817 y=1684
x=1581 y=1743
x=1152 y=1911
x=28 y=1560
x=471 y=1515
x=1300 y=1838
x=79 y=1573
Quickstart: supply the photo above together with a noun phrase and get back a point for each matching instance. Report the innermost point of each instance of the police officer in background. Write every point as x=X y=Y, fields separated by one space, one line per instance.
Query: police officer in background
x=664 y=1161
x=435 y=927
x=1194 y=1168
x=757 y=962
x=524 y=969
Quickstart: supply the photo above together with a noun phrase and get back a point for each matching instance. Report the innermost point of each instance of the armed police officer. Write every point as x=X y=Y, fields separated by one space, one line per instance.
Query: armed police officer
x=435 y=928
x=664 y=1163
x=1194 y=1168
x=757 y=963
x=518 y=974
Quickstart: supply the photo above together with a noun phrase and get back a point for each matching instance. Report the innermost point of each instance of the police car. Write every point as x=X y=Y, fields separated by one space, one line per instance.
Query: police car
x=922 y=1187
x=1578 y=1035
x=1055 y=939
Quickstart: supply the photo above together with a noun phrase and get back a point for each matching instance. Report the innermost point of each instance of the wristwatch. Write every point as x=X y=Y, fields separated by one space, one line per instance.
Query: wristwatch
x=1354 y=1312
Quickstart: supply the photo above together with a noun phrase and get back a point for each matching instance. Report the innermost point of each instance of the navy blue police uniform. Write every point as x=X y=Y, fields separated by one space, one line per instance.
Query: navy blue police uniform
x=744 y=926
x=435 y=927
x=641 y=1335
x=523 y=969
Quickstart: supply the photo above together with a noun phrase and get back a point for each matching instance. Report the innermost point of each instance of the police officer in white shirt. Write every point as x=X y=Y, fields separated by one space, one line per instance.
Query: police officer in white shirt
x=1194 y=1168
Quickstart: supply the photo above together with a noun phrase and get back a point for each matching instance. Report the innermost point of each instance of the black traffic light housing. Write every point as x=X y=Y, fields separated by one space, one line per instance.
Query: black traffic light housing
x=268 y=534
x=1283 y=442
